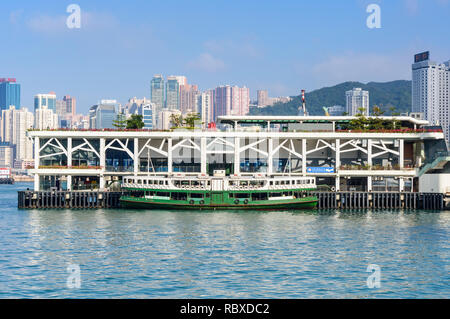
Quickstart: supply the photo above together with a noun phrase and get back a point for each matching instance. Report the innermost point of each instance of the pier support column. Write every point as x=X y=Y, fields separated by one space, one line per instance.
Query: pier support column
x=401 y=184
x=169 y=156
x=237 y=155
x=369 y=183
x=36 y=182
x=270 y=156
x=102 y=153
x=338 y=154
x=401 y=151
x=369 y=153
x=136 y=156
x=203 y=156
x=304 y=157
x=37 y=146
x=338 y=183
x=69 y=182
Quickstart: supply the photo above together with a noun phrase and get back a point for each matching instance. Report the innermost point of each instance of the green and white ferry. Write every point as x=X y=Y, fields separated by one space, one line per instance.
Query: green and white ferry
x=219 y=192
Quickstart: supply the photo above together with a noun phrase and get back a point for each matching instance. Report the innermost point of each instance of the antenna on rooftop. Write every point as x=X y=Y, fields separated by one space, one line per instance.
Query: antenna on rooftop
x=303 y=105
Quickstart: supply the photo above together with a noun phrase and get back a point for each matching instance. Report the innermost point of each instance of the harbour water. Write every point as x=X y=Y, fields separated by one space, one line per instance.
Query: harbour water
x=164 y=254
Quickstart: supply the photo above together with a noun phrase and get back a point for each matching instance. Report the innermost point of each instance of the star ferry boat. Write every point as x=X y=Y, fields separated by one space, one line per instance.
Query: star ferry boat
x=219 y=192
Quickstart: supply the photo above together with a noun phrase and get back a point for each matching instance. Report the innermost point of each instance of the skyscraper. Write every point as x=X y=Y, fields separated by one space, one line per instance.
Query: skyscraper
x=231 y=100
x=430 y=91
x=14 y=124
x=204 y=107
x=48 y=100
x=71 y=105
x=172 y=93
x=44 y=118
x=157 y=92
x=188 y=98
x=263 y=98
x=103 y=114
x=356 y=99
x=9 y=94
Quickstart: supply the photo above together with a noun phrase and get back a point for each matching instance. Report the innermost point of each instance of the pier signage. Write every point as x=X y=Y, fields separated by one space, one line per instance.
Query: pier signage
x=320 y=170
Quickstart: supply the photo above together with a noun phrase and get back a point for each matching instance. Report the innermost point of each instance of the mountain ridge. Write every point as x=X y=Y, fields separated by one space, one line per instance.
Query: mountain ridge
x=393 y=94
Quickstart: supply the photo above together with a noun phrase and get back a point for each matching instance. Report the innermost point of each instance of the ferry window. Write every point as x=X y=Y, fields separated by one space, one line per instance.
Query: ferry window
x=177 y=183
x=195 y=183
x=242 y=195
x=288 y=182
x=179 y=196
x=282 y=182
x=285 y=193
x=271 y=183
x=139 y=181
x=244 y=183
x=185 y=183
x=163 y=194
x=209 y=183
x=207 y=195
x=196 y=195
x=231 y=183
x=259 y=196
x=161 y=182
x=166 y=182
x=277 y=183
x=151 y=193
x=275 y=194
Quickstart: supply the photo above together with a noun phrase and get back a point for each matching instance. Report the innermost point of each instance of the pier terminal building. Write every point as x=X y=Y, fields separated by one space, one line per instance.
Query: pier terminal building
x=412 y=157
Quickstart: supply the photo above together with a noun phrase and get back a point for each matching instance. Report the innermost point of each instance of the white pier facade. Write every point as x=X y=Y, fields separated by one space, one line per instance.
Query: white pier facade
x=249 y=146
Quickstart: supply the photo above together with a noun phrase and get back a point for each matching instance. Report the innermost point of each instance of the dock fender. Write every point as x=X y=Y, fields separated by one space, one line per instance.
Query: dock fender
x=191 y=202
x=246 y=201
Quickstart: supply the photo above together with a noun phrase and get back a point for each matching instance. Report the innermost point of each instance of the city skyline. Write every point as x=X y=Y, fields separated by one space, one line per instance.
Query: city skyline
x=299 y=46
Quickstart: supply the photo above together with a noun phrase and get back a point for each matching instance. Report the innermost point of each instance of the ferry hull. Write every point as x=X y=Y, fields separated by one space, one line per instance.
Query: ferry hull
x=142 y=203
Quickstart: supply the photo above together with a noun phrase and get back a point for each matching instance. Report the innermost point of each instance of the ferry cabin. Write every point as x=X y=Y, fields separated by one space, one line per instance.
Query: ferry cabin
x=221 y=192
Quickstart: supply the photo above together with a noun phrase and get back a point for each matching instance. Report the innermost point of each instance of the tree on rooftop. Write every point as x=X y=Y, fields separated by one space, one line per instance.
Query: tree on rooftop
x=120 y=122
x=135 y=122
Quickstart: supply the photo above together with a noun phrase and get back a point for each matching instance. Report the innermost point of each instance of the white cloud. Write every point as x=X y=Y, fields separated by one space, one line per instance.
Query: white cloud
x=206 y=62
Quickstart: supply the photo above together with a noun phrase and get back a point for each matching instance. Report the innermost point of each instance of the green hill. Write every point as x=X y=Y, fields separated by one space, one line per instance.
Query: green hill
x=386 y=95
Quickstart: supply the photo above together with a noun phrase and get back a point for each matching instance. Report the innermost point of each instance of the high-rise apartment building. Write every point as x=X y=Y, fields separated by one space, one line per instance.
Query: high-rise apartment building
x=357 y=99
x=44 y=118
x=430 y=91
x=188 y=98
x=231 y=100
x=172 y=93
x=204 y=107
x=263 y=98
x=157 y=92
x=48 y=100
x=6 y=154
x=9 y=93
x=71 y=105
x=14 y=124
x=222 y=101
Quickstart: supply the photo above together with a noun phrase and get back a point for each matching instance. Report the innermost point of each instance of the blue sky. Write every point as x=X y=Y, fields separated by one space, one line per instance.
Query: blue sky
x=282 y=46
